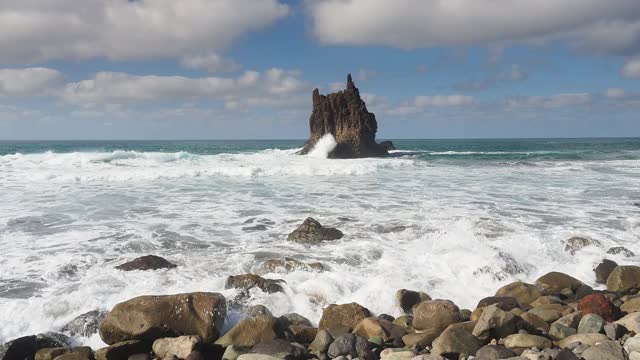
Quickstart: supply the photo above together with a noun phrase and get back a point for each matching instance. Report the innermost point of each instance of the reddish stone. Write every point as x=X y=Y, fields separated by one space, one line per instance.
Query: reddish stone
x=600 y=305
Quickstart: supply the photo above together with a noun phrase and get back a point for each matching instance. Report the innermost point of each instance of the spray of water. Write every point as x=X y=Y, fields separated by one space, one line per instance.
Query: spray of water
x=323 y=147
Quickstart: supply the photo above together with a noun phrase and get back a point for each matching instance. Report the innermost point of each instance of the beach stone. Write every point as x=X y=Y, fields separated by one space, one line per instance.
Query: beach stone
x=606 y=350
x=83 y=352
x=525 y=341
x=615 y=331
x=494 y=352
x=341 y=319
x=524 y=293
x=321 y=343
x=546 y=315
x=631 y=322
x=566 y=354
x=505 y=303
x=495 y=323
x=598 y=304
x=455 y=342
x=404 y=321
x=429 y=357
x=295 y=319
x=397 y=354
x=635 y=355
x=86 y=324
x=577 y=243
x=232 y=352
x=312 y=232
x=350 y=345
x=546 y=300
x=257 y=310
x=372 y=327
x=632 y=344
x=603 y=270
x=557 y=281
x=247 y=282
x=301 y=334
x=196 y=355
x=249 y=332
x=122 y=350
x=435 y=315
x=287 y=264
x=407 y=300
x=585 y=339
x=148 y=262
x=624 y=278
x=256 y=357
x=535 y=322
x=631 y=305
x=74 y=356
x=621 y=250
x=571 y=320
x=558 y=331
x=26 y=347
x=386 y=317
x=180 y=346
x=280 y=349
x=154 y=317
x=420 y=340
x=140 y=357
x=591 y=323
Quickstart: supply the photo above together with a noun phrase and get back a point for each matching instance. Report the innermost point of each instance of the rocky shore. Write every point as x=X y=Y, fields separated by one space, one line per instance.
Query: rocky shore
x=555 y=317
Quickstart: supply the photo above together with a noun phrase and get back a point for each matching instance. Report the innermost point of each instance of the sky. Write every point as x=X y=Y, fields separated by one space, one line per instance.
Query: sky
x=245 y=69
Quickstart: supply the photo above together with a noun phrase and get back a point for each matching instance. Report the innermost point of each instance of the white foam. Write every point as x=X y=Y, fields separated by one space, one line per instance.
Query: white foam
x=323 y=147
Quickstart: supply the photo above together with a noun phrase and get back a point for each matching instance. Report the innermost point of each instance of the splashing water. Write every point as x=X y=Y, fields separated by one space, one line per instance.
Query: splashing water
x=323 y=147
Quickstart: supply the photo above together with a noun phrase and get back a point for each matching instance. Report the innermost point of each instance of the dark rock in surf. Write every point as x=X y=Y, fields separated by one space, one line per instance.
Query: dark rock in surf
x=287 y=264
x=387 y=145
x=344 y=115
x=577 y=243
x=620 y=250
x=247 y=282
x=603 y=270
x=312 y=232
x=26 y=347
x=86 y=324
x=148 y=262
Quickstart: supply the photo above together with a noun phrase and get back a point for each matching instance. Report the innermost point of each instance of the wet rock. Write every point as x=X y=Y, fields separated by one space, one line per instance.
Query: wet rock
x=253 y=228
x=578 y=243
x=615 y=331
x=344 y=115
x=505 y=303
x=387 y=145
x=82 y=352
x=631 y=322
x=591 y=323
x=494 y=352
x=585 y=339
x=312 y=232
x=295 y=319
x=603 y=270
x=257 y=310
x=350 y=345
x=26 y=347
x=606 y=350
x=435 y=315
x=455 y=342
x=249 y=332
x=287 y=264
x=624 y=278
x=153 y=317
x=557 y=281
x=247 y=282
x=180 y=346
x=524 y=293
x=407 y=300
x=600 y=305
x=525 y=341
x=621 y=250
x=148 y=262
x=495 y=323
x=321 y=343
x=123 y=350
x=86 y=324
x=341 y=319
x=280 y=349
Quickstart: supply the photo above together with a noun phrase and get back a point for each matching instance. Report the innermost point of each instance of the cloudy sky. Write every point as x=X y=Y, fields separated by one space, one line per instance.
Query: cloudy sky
x=220 y=69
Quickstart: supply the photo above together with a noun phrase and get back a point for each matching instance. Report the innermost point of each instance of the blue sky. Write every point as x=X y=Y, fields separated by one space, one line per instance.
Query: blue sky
x=225 y=69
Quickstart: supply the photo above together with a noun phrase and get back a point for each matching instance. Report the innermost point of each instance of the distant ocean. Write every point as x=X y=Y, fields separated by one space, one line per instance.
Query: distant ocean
x=454 y=218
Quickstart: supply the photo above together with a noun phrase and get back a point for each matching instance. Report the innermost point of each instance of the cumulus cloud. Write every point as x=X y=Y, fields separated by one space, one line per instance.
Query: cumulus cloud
x=631 y=68
x=40 y=30
x=604 y=26
x=272 y=87
x=212 y=63
x=29 y=81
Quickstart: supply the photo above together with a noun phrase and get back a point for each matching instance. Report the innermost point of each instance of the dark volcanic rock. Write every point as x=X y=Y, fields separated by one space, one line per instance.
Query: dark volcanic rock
x=148 y=262
x=312 y=232
x=345 y=116
x=27 y=346
x=603 y=270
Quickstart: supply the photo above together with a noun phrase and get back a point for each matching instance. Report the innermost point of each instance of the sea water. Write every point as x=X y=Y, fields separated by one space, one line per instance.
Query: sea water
x=454 y=218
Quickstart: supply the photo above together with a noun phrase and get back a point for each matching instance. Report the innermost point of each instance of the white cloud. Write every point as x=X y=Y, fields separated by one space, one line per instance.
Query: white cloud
x=40 y=30
x=606 y=26
x=336 y=86
x=364 y=75
x=553 y=101
x=274 y=87
x=515 y=74
x=632 y=68
x=614 y=93
x=212 y=63
x=442 y=100
x=29 y=81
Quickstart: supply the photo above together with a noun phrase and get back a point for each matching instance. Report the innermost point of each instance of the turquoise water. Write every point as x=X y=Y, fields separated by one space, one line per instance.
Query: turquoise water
x=454 y=218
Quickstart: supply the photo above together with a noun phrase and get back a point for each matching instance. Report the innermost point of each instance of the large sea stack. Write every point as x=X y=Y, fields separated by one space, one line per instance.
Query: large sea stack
x=344 y=115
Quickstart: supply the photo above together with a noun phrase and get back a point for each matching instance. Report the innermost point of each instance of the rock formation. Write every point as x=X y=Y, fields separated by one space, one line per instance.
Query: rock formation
x=345 y=116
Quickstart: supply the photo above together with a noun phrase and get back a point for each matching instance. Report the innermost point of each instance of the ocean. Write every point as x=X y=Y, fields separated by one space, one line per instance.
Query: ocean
x=454 y=218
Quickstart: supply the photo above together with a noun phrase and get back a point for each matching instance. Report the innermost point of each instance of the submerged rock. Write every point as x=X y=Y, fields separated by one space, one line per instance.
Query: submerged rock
x=86 y=324
x=344 y=115
x=247 y=282
x=148 y=262
x=577 y=243
x=312 y=232
x=287 y=264
x=621 y=250
x=154 y=317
